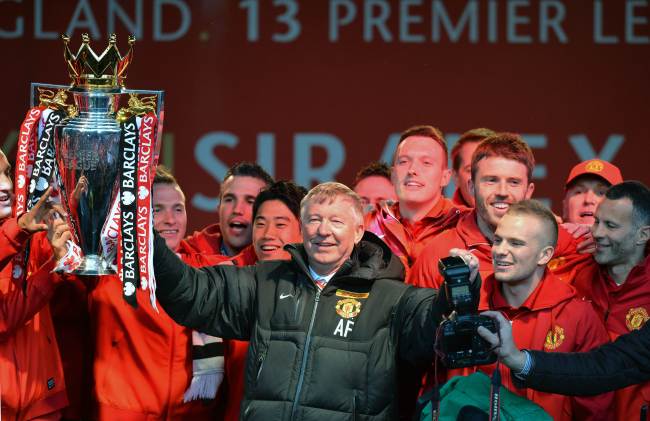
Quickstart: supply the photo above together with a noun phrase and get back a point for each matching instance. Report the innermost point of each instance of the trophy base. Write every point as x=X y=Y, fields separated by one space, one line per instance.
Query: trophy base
x=93 y=265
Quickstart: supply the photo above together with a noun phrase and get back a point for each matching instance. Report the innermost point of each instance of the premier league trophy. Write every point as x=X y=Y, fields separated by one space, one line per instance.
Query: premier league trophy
x=100 y=152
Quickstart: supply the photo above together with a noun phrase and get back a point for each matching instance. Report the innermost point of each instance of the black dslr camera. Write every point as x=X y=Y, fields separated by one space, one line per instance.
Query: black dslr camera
x=460 y=344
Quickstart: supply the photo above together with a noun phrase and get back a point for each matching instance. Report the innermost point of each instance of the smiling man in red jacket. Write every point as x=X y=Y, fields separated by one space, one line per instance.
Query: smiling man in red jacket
x=545 y=313
x=617 y=277
x=502 y=168
x=419 y=173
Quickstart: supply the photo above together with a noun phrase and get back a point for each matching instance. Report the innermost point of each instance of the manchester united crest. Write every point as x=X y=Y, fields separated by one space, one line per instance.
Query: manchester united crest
x=594 y=166
x=636 y=318
x=348 y=308
x=554 y=338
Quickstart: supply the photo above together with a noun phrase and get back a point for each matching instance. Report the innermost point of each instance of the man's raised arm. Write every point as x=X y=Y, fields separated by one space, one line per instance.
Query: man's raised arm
x=217 y=300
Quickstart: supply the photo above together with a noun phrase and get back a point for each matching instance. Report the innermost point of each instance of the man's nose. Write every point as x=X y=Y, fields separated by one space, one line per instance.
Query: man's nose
x=590 y=197
x=502 y=189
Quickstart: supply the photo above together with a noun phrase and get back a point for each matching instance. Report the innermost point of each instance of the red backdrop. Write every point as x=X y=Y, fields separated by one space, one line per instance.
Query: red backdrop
x=314 y=89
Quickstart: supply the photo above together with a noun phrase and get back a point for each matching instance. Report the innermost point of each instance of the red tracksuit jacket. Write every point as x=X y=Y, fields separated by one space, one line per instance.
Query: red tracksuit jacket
x=467 y=235
x=551 y=319
x=143 y=359
x=206 y=241
x=407 y=240
x=624 y=308
x=31 y=375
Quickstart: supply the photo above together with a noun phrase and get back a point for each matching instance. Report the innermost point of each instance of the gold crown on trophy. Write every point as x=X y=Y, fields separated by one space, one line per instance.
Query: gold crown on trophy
x=89 y=70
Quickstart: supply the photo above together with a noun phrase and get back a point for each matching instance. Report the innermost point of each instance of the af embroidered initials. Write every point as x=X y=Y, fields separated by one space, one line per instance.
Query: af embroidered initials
x=343 y=328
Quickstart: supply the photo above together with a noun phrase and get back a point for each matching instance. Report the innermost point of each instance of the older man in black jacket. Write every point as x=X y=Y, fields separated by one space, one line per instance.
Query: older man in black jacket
x=325 y=328
x=612 y=366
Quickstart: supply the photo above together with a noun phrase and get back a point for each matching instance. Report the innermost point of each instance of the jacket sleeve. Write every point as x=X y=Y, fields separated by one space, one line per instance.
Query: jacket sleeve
x=17 y=307
x=609 y=367
x=592 y=333
x=12 y=240
x=418 y=317
x=218 y=300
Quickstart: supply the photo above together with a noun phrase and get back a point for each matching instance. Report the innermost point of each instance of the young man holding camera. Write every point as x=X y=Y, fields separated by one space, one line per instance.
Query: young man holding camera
x=544 y=312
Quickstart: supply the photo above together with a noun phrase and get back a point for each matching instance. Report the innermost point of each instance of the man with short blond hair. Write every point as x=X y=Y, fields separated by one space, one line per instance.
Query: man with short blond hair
x=545 y=313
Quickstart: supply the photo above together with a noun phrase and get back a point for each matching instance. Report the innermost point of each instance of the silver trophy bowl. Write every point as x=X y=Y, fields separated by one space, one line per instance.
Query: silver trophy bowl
x=87 y=151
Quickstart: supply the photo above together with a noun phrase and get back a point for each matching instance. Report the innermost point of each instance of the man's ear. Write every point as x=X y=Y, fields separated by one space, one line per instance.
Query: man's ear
x=545 y=255
x=358 y=234
x=446 y=177
x=643 y=235
x=530 y=190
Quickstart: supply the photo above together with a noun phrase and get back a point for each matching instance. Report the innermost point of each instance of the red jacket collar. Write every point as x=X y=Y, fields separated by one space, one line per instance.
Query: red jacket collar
x=459 y=200
x=549 y=293
x=469 y=231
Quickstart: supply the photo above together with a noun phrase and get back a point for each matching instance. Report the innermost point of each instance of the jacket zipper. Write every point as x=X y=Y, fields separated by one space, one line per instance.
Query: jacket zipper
x=305 y=354
x=354 y=406
x=260 y=362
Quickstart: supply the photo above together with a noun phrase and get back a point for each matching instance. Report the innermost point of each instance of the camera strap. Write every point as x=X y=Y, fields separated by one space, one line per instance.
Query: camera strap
x=495 y=394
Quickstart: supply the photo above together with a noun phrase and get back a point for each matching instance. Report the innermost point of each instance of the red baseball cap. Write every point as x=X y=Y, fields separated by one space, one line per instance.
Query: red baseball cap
x=603 y=169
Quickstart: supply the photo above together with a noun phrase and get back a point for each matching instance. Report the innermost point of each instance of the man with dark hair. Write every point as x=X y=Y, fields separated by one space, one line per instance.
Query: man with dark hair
x=373 y=184
x=241 y=184
x=502 y=168
x=585 y=188
x=545 y=312
x=276 y=223
x=419 y=174
x=461 y=159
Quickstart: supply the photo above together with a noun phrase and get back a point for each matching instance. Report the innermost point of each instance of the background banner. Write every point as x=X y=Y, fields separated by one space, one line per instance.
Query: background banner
x=315 y=89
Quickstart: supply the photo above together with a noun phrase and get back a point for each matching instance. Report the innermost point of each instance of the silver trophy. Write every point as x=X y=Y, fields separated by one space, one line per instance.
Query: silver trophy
x=88 y=145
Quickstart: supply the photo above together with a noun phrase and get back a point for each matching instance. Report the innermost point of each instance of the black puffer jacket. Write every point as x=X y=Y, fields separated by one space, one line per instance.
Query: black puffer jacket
x=313 y=355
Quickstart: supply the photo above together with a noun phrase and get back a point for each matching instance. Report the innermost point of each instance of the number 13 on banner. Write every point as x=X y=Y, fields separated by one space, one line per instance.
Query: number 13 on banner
x=287 y=18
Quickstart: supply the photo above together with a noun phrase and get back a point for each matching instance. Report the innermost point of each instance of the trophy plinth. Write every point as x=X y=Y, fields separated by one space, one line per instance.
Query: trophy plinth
x=93 y=265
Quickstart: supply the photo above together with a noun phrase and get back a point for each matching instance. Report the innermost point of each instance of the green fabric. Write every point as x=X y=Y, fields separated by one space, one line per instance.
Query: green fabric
x=474 y=390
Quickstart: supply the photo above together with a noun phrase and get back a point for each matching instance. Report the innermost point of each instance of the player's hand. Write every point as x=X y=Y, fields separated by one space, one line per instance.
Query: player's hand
x=470 y=260
x=582 y=232
x=33 y=221
x=58 y=233
x=502 y=343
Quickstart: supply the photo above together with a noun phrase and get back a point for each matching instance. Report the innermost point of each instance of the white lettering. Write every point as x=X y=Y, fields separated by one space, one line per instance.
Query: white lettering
x=186 y=20
x=18 y=30
x=406 y=19
x=469 y=16
x=378 y=21
x=133 y=26
x=632 y=20
x=585 y=151
x=304 y=143
x=204 y=155
x=343 y=328
x=546 y=22
x=89 y=22
x=515 y=20
x=336 y=21
x=599 y=37
x=38 y=23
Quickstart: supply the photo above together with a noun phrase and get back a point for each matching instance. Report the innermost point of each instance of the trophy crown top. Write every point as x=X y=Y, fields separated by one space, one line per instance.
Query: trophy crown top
x=88 y=70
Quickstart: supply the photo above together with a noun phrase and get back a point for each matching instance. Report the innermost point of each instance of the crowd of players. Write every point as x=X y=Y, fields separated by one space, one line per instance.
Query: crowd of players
x=71 y=348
